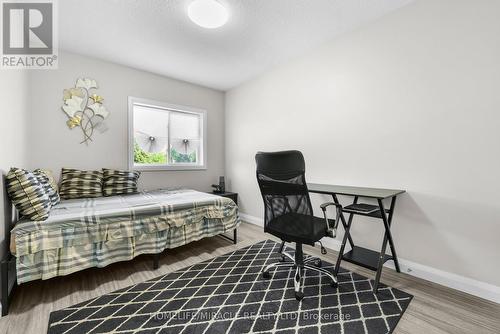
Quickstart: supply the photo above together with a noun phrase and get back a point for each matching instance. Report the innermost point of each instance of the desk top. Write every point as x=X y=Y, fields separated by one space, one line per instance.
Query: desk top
x=353 y=191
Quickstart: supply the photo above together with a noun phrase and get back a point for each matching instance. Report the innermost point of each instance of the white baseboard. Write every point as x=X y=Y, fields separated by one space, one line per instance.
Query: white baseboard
x=251 y=219
x=474 y=287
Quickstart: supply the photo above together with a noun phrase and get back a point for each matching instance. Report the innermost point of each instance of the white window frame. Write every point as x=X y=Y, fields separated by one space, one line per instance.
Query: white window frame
x=170 y=107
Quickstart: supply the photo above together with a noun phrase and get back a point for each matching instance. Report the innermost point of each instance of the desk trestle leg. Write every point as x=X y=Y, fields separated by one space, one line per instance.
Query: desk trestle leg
x=387 y=238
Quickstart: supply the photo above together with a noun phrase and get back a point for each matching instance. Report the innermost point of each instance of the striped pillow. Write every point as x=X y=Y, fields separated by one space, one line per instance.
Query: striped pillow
x=80 y=183
x=118 y=182
x=28 y=194
x=52 y=179
x=48 y=182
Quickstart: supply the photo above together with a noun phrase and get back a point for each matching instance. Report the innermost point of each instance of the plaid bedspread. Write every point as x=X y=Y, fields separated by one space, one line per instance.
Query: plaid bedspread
x=95 y=232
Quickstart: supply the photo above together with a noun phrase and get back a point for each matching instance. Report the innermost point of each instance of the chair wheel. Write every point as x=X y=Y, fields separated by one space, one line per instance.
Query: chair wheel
x=299 y=296
x=318 y=263
x=266 y=274
x=334 y=284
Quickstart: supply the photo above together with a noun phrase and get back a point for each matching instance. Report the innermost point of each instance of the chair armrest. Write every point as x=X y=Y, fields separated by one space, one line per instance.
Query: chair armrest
x=325 y=205
x=331 y=230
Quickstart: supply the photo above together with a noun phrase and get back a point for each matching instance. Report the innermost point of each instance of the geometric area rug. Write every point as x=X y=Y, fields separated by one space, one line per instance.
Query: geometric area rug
x=228 y=294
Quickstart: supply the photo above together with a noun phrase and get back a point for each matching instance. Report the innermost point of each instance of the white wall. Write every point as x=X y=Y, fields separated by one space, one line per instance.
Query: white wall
x=53 y=145
x=410 y=101
x=13 y=137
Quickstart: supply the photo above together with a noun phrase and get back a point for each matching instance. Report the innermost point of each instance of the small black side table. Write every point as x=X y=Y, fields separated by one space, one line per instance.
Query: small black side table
x=228 y=194
x=234 y=197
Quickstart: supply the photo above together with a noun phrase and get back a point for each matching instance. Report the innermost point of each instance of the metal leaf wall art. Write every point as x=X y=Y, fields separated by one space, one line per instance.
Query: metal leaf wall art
x=84 y=108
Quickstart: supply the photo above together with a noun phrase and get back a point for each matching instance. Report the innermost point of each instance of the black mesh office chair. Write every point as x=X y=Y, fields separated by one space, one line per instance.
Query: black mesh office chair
x=289 y=215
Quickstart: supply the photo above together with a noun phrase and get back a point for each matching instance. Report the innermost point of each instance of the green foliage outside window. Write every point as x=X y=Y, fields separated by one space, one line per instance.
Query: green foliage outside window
x=180 y=157
x=143 y=157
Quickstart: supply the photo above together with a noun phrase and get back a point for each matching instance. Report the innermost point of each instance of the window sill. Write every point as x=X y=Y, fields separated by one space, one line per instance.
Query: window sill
x=168 y=168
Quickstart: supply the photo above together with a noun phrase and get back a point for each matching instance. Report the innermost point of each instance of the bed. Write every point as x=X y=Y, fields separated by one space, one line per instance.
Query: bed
x=96 y=232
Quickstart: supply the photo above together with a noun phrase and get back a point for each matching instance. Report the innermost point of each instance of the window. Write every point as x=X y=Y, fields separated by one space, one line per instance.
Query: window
x=164 y=136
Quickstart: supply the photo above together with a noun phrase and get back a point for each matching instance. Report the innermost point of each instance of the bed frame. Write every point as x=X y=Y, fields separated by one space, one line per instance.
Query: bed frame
x=8 y=279
x=8 y=269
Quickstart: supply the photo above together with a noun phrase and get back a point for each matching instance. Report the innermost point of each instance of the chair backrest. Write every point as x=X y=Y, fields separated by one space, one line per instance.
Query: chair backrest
x=281 y=178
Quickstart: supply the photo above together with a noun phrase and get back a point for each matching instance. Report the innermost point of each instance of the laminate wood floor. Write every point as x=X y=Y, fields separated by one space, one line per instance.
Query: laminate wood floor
x=435 y=309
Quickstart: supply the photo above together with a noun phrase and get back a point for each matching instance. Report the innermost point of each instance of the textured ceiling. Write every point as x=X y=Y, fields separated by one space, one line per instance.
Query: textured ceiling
x=157 y=35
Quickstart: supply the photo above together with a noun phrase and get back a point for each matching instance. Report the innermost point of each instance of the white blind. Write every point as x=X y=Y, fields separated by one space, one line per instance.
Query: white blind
x=184 y=126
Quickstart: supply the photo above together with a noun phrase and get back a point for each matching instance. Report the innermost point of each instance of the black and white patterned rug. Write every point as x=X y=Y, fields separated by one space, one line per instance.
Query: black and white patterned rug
x=228 y=295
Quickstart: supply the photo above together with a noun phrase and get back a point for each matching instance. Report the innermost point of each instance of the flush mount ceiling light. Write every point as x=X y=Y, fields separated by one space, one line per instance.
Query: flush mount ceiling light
x=208 y=13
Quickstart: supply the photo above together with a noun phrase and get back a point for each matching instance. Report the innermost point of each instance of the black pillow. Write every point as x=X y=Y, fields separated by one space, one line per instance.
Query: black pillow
x=119 y=182
x=28 y=194
x=46 y=179
x=80 y=183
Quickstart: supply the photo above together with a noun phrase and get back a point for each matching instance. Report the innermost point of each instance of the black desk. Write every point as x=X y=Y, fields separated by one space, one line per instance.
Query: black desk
x=359 y=255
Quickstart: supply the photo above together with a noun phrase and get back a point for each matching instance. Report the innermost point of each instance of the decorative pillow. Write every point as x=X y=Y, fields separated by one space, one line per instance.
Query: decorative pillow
x=28 y=194
x=52 y=179
x=118 y=182
x=48 y=182
x=80 y=183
